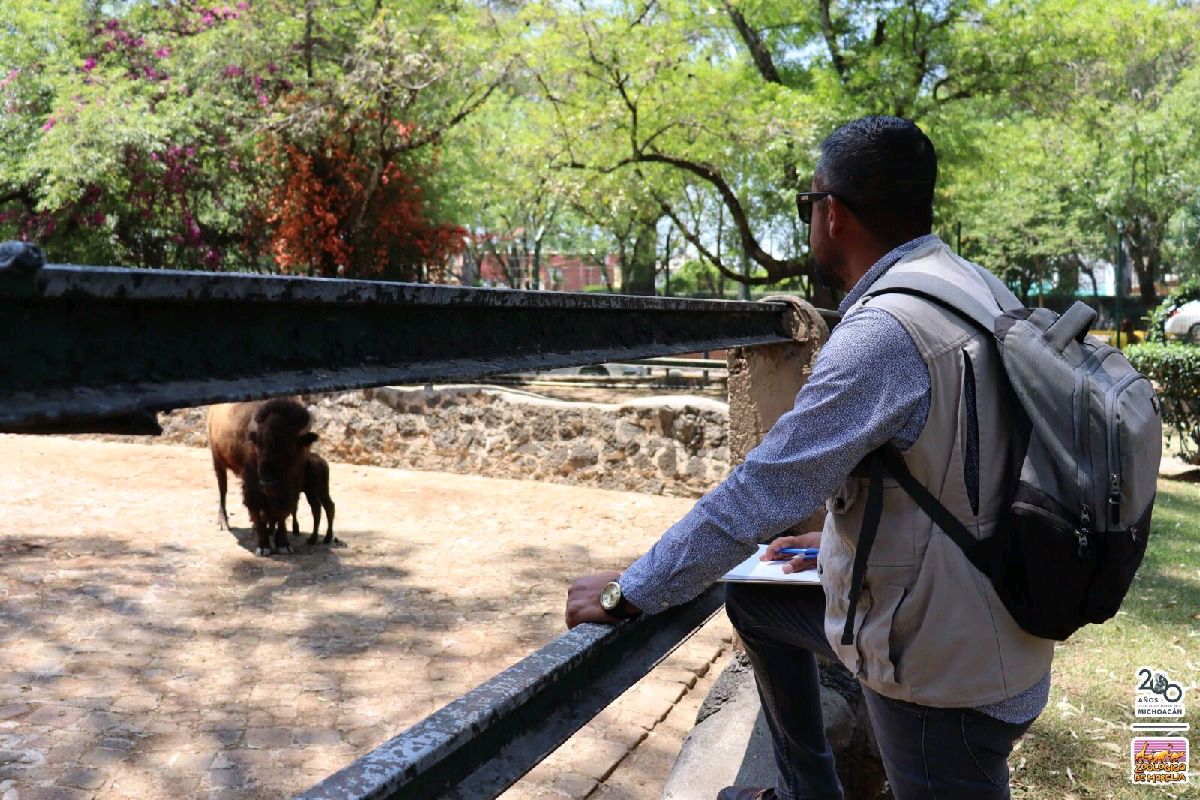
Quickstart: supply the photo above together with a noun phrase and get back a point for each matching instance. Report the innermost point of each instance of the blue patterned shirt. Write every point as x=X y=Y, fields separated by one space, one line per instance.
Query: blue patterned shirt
x=869 y=386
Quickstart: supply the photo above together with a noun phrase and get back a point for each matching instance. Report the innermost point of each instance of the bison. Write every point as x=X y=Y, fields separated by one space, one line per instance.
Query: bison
x=316 y=491
x=267 y=444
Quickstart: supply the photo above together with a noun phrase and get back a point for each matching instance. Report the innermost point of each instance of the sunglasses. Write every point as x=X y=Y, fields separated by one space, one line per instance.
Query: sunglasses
x=805 y=202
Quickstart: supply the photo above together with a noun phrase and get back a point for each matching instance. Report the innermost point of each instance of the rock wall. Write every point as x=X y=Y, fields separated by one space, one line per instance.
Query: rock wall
x=672 y=445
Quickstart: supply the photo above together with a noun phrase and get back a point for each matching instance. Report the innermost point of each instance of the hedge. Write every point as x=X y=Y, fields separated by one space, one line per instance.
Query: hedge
x=1175 y=371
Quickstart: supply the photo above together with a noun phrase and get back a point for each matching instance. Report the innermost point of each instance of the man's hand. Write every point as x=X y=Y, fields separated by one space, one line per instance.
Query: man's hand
x=799 y=563
x=583 y=599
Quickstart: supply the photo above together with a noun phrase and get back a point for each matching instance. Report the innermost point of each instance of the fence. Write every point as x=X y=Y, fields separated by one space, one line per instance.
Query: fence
x=103 y=349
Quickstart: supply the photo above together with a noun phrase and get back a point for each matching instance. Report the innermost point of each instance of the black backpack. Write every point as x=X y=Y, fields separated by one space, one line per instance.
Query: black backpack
x=1075 y=528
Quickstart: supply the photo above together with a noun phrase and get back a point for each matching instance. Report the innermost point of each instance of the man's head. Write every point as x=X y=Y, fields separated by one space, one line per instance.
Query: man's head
x=881 y=172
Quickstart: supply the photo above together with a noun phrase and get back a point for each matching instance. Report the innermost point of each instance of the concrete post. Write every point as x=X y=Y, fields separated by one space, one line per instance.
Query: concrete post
x=765 y=379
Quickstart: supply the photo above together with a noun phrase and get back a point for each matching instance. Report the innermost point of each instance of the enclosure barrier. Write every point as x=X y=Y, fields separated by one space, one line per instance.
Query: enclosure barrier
x=103 y=349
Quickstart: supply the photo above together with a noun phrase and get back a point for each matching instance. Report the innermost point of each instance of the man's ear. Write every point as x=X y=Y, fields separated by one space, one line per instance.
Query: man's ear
x=835 y=217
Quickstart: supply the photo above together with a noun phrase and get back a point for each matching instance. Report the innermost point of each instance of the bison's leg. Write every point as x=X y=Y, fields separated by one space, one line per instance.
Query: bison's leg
x=295 y=524
x=282 y=544
x=222 y=486
x=262 y=534
x=314 y=505
x=328 y=503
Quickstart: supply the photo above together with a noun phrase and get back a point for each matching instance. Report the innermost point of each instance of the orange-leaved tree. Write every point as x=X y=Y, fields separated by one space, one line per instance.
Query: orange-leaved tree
x=343 y=207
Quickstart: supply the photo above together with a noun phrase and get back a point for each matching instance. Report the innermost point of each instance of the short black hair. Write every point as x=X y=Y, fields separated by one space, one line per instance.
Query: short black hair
x=884 y=169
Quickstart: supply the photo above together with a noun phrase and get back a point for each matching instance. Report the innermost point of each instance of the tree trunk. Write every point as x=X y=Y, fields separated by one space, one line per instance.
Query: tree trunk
x=639 y=277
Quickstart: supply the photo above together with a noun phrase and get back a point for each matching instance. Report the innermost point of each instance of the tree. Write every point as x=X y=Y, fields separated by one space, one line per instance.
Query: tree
x=188 y=136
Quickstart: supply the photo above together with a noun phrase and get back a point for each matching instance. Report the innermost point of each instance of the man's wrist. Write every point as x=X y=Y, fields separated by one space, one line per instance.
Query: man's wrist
x=627 y=608
x=615 y=603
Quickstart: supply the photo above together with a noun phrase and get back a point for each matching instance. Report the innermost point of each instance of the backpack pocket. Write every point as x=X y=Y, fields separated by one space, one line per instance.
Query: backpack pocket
x=1119 y=553
x=1041 y=566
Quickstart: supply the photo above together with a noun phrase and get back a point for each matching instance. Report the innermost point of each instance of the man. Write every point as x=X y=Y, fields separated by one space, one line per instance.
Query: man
x=949 y=679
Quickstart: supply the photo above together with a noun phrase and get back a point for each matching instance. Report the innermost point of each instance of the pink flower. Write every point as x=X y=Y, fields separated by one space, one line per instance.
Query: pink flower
x=234 y=71
x=162 y=52
x=50 y=123
x=10 y=77
x=89 y=63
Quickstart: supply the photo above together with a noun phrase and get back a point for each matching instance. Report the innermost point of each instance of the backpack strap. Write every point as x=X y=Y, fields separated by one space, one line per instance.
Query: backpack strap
x=866 y=538
x=941 y=516
x=1000 y=293
x=943 y=293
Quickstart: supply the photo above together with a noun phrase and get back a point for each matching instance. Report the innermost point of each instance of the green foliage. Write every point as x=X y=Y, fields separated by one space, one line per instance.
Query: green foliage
x=1185 y=292
x=640 y=130
x=1175 y=371
x=147 y=133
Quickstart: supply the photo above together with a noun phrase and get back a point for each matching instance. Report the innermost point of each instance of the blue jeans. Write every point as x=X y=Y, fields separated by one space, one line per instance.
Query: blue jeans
x=928 y=753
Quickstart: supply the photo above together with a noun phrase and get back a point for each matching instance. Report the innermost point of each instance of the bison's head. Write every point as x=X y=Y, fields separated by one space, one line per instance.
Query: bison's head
x=281 y=440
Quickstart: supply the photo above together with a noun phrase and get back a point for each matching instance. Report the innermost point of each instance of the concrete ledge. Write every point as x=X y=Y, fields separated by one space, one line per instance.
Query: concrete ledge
x=731 y=745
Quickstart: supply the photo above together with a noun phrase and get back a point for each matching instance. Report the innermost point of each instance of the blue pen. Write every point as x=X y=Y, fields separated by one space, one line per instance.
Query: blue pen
x=807 y=552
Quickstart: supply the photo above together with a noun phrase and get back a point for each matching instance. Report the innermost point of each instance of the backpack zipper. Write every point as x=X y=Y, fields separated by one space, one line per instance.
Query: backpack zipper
x=1081 y=533
x=1114 y=448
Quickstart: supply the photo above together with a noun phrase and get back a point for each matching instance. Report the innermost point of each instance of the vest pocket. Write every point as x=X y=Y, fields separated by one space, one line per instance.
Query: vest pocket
x=835 y=618
x=875 y=637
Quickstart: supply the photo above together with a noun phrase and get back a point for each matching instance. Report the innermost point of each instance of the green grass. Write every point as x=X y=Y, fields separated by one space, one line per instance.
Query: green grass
x=1079 y=747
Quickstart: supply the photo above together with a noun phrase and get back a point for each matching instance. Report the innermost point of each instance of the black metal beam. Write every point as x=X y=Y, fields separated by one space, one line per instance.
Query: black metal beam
x=483 y=742
x=84 y=343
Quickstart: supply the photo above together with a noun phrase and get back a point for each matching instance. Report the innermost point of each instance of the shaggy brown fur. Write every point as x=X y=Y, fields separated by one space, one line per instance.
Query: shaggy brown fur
x=267 y=444
x=316 y=491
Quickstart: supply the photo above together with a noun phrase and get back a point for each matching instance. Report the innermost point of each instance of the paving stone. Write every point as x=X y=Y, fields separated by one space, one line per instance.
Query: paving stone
x=268 y=737
x=52 y=793
x=55 y=716
x=103 y=757
x=227 y=778
x=595 y=757
x=13 y=710
x=317 y=736
x=83 y=778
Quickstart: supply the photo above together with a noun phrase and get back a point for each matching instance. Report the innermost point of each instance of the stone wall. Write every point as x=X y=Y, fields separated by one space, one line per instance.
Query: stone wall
x=672 y=445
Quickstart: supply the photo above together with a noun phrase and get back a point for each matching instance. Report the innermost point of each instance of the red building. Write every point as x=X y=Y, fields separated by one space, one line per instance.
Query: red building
x=560 y=272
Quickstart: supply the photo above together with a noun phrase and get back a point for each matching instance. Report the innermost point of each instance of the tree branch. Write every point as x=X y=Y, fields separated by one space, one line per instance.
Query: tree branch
x=470 y=108
x=777 y=269
x=835 y=52
x=754 y=43
x=706 y=254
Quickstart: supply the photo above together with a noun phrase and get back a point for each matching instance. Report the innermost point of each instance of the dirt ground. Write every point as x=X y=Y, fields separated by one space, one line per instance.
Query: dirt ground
x=144 y=653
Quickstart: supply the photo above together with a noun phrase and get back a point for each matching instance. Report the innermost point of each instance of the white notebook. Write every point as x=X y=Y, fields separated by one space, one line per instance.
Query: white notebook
x=754 y=571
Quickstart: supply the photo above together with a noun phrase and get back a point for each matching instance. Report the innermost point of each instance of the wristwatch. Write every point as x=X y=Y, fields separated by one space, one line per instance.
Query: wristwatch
x=613 y=602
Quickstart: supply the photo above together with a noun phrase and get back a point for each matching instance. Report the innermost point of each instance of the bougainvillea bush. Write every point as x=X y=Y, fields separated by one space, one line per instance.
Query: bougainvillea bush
x=243 y=135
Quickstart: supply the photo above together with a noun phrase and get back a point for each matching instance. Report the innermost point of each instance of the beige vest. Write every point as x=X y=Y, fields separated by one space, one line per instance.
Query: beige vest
x=929 y=627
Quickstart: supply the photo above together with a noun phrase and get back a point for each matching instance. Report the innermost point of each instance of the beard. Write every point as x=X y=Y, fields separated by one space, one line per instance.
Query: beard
x=825 y=270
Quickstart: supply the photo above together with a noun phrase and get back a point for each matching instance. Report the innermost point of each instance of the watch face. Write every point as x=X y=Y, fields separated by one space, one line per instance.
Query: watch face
x=610 y=596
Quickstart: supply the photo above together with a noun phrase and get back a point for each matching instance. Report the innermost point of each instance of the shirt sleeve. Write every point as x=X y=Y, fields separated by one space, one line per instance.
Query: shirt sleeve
x=869 y=386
